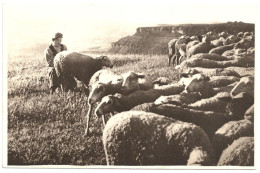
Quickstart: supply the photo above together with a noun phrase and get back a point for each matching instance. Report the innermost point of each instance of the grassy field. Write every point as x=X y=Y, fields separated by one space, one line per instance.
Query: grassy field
x=46 y=129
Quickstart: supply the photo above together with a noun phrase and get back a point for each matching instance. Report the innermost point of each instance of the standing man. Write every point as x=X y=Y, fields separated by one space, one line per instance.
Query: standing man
x=50 y=53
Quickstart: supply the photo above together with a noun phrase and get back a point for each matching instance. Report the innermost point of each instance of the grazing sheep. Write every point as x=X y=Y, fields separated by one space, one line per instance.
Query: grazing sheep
x=72 y=64
x=246 y=84
x=209 y=56
x=239 y=153
x=161 y=81
x=121 y=103
x=237 y=107
x=221 y=49
x=242 y=71
x=231 y=131
x=239 y=61
x=171 y=47
x=216 y=103
x=179 y=99
x=208 y=120
x=221 y=81
x=227 y=88
x=249 y=114
x=233 y=52
x=134 y=81
x=199 y=83
x=180 y=48
x=191 y=44
x=240 y=34
x=231 y=39
x=203 y=47
x=103 y=82
x=187 y=72
x=141 y=138
x=218 y=42
x=223 y=34
x=245 y=43
x=247 y=34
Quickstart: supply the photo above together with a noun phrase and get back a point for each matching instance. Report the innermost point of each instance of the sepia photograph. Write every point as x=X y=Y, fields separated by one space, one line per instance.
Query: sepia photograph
x=129 y=84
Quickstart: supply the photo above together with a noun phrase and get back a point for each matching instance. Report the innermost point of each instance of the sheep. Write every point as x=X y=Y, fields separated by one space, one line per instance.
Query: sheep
x=134 y=81
x=233 y=52
x=171 y=47
x=221 y=49
x=216 y=103
x=246 y=84
x=223 y=34
x=237 y=107
x=231 y=39
x=242 y=71
x=119 y=102
x=221 y=81
x=227 y=88
x=249 y=114
x=208 y=120
x=203 y=47
x=103 y=82
x=245 y=43
x=161 y=81
x=141 y=138
x=240 y=34
x=218 y=42
x=238 y=61
x=180 y=48
x=72 y=64
x=247 y=34
x=199 y=83
x=231 y=131
x=239 y=153
x=179 y=99
x=209 y=56
x=191 y=44
x=208 y=72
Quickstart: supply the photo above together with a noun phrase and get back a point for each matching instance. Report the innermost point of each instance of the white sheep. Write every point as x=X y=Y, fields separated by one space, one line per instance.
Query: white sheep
x=135 y=81
x=231 y=131
x=72 y=64
x=249 y=114
x=102 y=83
x=231 y=39
x=141 y=138
x=239 y=153
x=119 y=102
x=237 y=107
x=216 y=103
x=221 y=81
x=221 y=49
x=203 y=47
x=227 y=88
x=208 y=120
x=246 y=84
x=186 y=72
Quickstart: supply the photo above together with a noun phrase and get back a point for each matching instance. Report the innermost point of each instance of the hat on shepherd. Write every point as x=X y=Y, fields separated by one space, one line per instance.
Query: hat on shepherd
x=57 y=35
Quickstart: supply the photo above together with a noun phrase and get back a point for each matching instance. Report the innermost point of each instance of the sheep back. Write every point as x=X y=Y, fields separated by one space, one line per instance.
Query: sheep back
x=140 y=138
x=75 y=64
x=221 y=81
x=221 y=49
x=231 y=131
x=203 y=47
x=239 y=153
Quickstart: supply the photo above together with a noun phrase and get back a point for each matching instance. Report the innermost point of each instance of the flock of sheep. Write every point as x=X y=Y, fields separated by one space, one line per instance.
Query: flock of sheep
x=206 y=118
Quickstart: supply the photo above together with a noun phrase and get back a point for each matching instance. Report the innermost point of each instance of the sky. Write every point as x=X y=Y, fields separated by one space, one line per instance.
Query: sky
x=98 y=23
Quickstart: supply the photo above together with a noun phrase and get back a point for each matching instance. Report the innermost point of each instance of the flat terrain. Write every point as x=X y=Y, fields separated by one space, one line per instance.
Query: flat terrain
x=48 y=129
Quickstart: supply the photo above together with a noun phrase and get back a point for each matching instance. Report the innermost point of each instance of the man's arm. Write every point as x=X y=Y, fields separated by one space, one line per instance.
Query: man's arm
x=49 y=58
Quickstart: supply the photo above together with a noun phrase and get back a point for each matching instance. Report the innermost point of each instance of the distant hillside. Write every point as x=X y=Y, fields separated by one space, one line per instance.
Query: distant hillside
x=154 y=40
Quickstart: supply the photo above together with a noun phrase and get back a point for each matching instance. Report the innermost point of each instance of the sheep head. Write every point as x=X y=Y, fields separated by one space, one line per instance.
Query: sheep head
x=246 y=84
x=98 y=91
x=131 y=82
x=107 y=105
x=105 y=61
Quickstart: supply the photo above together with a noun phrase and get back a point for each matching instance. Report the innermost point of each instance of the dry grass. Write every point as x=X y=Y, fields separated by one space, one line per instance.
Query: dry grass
x=46 y=129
